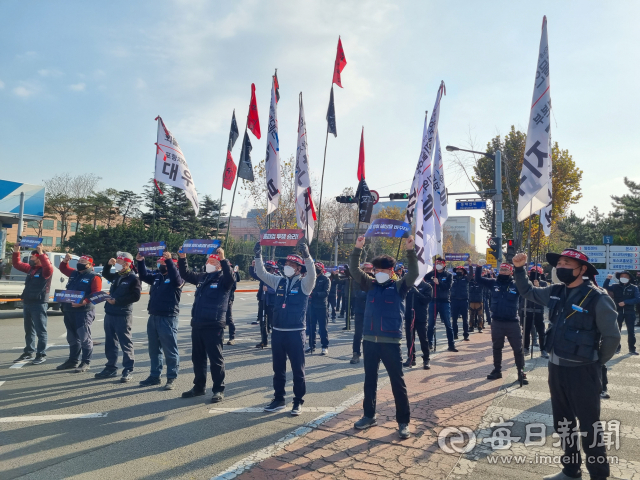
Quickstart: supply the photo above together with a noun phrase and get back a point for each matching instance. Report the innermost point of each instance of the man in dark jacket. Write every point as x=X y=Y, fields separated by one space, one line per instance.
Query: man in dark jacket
x=164 y=310
x=476 y=303
x=289 y=312
x=208 y=319
x=124 y=292
x=460 y=302
x=267 y=301
x=504 y=312
x=317 y=312
x=229 y=314
x=486 y=294
x=383 y=317
x=583 y=335
x=333 y=295
x=440 y=281
x=626 y=296
x=533 y=314
x=415 y=320
x=359 y=303
x=78 y=317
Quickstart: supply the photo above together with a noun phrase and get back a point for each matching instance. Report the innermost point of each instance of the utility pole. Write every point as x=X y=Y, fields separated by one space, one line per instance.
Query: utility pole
x=499 y=213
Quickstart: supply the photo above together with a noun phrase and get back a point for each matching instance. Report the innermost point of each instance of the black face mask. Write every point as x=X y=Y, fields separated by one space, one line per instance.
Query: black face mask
x=566 y=276
x=504 y=278
x=32 y=262
x=318 y=272
x=81 y=267
x=163 y=269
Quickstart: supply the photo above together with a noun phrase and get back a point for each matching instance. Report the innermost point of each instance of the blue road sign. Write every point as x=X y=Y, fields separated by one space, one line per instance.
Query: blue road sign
x=607 y=240
x=471 y=205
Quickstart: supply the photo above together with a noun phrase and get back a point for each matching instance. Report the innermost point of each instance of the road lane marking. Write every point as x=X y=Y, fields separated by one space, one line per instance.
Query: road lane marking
x=41 y=418
x=63 y=335
x=1 y=382
x=261 y=410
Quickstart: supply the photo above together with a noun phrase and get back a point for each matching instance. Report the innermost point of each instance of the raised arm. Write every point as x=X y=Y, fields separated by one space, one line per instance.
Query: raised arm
x=269 y=279
x=143 y=273
x=187 y=274
x=107 y=273
x=412 y=264
x=540 y=295
x=173 y=273
x=309 y=280
x=485 y=282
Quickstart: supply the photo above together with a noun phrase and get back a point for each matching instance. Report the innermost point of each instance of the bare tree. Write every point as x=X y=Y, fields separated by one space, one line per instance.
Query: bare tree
x=335 y=215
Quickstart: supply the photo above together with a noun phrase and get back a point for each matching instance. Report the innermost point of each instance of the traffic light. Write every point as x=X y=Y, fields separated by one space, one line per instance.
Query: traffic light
x=347 y=199
x=511 y=250
x=398 y=196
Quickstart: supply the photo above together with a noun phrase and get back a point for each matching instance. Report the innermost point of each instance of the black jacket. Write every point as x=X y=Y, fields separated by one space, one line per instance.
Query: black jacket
x=443 y=288
x=125 y=290
x=320 y=293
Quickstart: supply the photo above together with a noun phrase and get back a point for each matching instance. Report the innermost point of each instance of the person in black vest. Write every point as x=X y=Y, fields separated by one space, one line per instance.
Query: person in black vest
x=289 y=313
x=460 y=302
x=476 y=303
x=504 y=312
x=229 y=314
x=486 y=294
x=415 y=320
x=124 y=292
x=35 y=297
x=164 y=310
x=625 y=295
x=359 y=303
x=440 y=281
x=78 y=317
x=317 y=312
x=534 y=314
x=268 y=301
x=382 y=335
x=208 y=320
x=583 y=335
x=333 y=295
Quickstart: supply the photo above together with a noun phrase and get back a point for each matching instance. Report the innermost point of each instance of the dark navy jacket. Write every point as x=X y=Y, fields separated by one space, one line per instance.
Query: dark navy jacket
x=385 y=309
x=125 y=290
x=269 y=297
x=422 y=297
x=320 y=293
x=166 y=290
x=80 y=282
x=36 y=287
x=290 y=309
x=476 y=292
x=629 y=294
x=443 y=289
x=504 y=297
x=460 y=287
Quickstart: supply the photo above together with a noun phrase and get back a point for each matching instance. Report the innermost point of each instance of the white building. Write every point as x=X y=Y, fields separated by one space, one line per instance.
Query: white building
x=463 y=226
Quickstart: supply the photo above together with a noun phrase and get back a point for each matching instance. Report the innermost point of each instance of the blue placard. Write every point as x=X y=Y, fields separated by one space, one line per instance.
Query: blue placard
x=386 y=227
x=30 y=242
x=204 y=246
x=456 y=257
x=68 y=296
x=607 y=239
x=153 y=249
x=471 y=205
x=99 y=297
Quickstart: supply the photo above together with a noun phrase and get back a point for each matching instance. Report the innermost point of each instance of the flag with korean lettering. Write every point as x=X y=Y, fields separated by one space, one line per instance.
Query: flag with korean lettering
x=534 y=178
x=272 y=157
x=441 y=205
x=171 y=166
x=545 y=213
x=305 y=210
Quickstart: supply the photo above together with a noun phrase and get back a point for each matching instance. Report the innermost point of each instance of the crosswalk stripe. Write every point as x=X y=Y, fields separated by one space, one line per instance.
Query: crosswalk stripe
x=41 y=418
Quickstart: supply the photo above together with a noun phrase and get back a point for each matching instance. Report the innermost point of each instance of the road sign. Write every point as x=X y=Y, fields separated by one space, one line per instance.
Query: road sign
x=493 y=242
x=456 y=257
x=471 y=205
x=375 y=195
x=623 y=248
x=615 y=255
x=491 y=259
x=624 y=266
x=597 y=257
x=607 y=240
x=592 y=248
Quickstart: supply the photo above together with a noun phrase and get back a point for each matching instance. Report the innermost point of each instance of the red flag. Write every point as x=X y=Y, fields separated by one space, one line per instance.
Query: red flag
x=253 y=122
x=361 y=157
x=341 y=61
x=230 y=170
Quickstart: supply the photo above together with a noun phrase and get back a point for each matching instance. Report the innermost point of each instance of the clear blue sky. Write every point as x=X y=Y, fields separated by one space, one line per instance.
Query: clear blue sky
x=81 y=83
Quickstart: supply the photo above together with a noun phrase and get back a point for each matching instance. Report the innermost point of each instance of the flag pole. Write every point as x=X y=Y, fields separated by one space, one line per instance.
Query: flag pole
x=220 y=209
x=233 y=199
x=324 y=160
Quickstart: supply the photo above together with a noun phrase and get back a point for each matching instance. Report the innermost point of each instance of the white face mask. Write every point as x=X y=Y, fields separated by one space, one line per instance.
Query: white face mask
x=118 y=267
x=289 y=271
x=439 y=267
x=327 y=274
x=624 y=280
x=382 y=277
x=210 y=268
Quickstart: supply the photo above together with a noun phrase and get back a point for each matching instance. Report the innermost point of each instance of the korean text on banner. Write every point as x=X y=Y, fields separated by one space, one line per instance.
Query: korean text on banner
x=305 y=210
x=152 y=249
x=30 y=242
x=272 y=157
x=386 y=227
x=200 y=246
x=276 y=237
x=99 y=297
x=68 y=296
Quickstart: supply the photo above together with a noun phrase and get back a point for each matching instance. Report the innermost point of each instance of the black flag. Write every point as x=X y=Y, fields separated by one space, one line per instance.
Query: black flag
x=245 y=169
x=365 y=203
x=331 y=116
x=233 y=133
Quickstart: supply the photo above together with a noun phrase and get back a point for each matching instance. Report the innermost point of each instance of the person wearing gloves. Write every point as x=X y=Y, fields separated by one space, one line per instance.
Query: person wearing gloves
x=208 y=319
x=583 y=336
x=289 y=313
x=626 y=296
x=164 y=309
x=440 y=281
x=382 y=333
x=78 y=317
x=460 y=302
x=317 y=312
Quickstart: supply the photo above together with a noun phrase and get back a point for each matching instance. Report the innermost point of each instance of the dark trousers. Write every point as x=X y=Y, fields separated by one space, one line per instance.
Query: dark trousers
x=575 y=394
x=444 y=309
x=487 y=310
x=391 y=357
x=332 y=303
x=417 y=324
x=476 y=317
x=78 y=326
x=288 y=345
x=117 y=330
x=605 y=378
x=537 y=319
x=261 y=306
x=629 y=318
x=358 y=324
x=460 y=308
x=229 y=321
x=265 y=324
x=162 y=333
x=207 y=343
x=317 y=317
x=511 y=330
x=35 y=325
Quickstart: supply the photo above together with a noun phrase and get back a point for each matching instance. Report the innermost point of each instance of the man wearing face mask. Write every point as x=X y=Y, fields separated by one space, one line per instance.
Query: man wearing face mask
x=583 y=336
x=625 y=295
x=124 y=292
x=289 y=313
x=78 y=317
x=208 y=319
x=359 y=304
x=317 y=312
x=460 y=302
x=440 y=281
x=534 y=314
x=164 y=309
x=35 y=298
x=504 y=312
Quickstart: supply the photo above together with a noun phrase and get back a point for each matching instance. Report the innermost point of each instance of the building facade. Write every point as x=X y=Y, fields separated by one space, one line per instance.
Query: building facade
x=464 y=226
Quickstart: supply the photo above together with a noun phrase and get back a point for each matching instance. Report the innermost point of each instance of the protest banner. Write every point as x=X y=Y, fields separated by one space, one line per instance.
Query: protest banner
x=68 y=296
x=99 y=297
x=386 y=227
x=201 y=246
x=30 y=242
x=456 y=257
x=276 y=237
x=152 y=249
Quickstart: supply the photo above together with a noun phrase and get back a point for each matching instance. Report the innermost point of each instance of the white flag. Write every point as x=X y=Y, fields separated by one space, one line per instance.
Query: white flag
x=537 y=156
x=441 y=204
x=423 y=195
x=545 y=213
x=305 y=210
x=171 y=167
x=272 y=157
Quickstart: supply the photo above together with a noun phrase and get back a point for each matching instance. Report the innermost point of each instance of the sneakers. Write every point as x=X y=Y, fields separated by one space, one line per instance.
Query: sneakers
x=261 y=345
x=231 y=342
x=297 y=408
x=255 y=323
x=526 y=352
x=494 y=375
x=403 y=430
x=324 y=351
x=544 y=354
x=426 y=365
x=217 y=397
x=170 y=385
x=411 y=362
x=479 y=330
x=83 y=367
x=604 y=394
x=39 y=359
x=634 y=353
x=68 y=365
x=310 y=350
x=194 y=392
x=452 y=349
x=107 y=373
x=150 y=381
x=455 y=337
x=126 y=377
x=25 y=357
x=275 y=406
x=522 y=378
x=355 y=359
x=365 y=422
x=618 y=349
x=466 y=339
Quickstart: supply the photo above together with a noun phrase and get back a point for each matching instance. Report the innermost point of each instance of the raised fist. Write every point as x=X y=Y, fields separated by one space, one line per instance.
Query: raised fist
x=360 y=241
x=520 y=260
x=112 y=261
x=303 y=248
x=409 y=243
x=257 y=250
